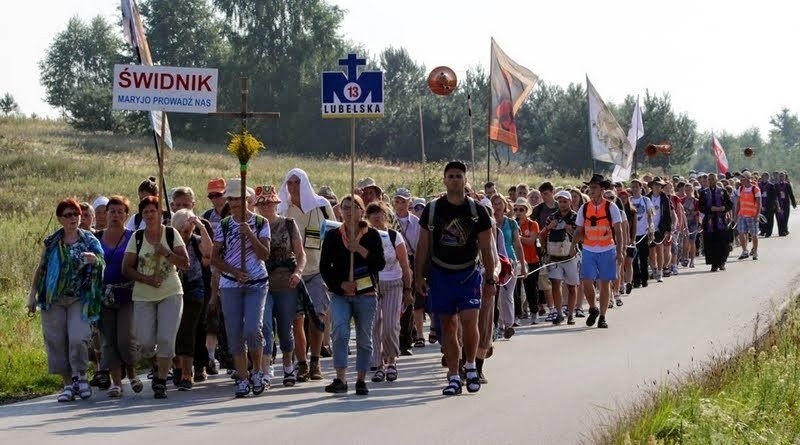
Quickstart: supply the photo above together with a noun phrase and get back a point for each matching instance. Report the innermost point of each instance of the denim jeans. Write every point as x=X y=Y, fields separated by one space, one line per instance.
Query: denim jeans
x=243 y=310
x=281 y=307
x=362 y=310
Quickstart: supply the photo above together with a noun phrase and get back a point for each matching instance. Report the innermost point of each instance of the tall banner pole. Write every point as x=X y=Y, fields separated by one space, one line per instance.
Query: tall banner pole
x=422 y=139
x=471 y=137
x=352 y=187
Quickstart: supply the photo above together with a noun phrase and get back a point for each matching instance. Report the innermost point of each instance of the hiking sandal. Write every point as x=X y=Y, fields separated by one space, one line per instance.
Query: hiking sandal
x=68 y=395
x=289 y=379
x=114 y=392
x=473 y=380
x=391 y=373
x=379 y=376
x=84 y=389
x=136 y=385
x=453 y=387
x=419 y=343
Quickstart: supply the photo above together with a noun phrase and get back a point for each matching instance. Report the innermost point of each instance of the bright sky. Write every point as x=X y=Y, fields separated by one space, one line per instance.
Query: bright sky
x=729 y=64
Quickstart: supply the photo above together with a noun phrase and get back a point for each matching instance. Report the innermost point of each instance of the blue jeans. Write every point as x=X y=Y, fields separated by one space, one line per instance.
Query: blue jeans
x=243 y=310
x=362 y=310
x=281 y=306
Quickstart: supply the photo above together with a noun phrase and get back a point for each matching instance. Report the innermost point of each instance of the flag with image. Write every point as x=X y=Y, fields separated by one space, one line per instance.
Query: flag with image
x=511 y=84
x=609 y=143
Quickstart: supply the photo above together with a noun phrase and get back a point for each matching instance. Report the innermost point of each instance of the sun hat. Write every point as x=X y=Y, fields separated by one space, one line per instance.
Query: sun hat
x=266 y=194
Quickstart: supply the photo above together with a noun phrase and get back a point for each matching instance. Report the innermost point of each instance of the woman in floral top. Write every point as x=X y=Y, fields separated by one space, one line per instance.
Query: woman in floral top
x=151 y=261
x=67 y=286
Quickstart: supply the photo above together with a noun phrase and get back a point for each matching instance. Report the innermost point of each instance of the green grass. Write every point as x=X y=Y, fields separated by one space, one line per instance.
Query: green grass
x=42 y=162
x=751 y=398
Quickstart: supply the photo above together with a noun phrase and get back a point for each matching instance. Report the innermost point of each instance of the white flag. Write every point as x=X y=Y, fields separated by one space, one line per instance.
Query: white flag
x=623 y=172
x=133 y=30
x=608 y=141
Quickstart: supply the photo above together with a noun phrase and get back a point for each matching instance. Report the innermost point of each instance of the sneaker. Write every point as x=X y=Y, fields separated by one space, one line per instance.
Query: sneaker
x=315 y=372
x=714 y=268
x=159 y=388
x=593 y=314
x=302 y=372
x=177 y=377
x=601 y=323
x=508 y=333
x=213 y=367
x=691 y=265
x=744 y=255
x=570 y=320
x=542 y=312
x=516 y=323
x=200 y=375
x=579 y=313
x=289 y=379
x=619 y=300
x=361 y=388
x=184 y=385
x=755 y=255
x=337 y=387
x=242 y=388
x=483 y=378
x=722 y=267
x=628 y=288
x=610 y=303
x=406 y=352
x=325 y=352
x=559 y=319
x=534 y=319
x=644 y=283
x=257 y=381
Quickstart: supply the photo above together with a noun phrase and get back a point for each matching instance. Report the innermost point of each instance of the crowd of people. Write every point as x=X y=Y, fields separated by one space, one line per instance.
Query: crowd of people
x=292 y=269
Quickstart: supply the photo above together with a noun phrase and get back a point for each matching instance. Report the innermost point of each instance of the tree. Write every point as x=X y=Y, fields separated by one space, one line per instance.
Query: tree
x=284 y=45
x=8 y=105
x=76 y=73
x=189 y=34
x=567 y=133
x=786 y=131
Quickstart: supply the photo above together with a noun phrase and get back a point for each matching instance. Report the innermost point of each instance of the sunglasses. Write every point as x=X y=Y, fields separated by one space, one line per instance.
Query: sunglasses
x=70 y=215
x=214 y=195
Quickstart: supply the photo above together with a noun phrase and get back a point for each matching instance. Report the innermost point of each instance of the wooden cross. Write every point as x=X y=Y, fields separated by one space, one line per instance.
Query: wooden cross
x=244 y=114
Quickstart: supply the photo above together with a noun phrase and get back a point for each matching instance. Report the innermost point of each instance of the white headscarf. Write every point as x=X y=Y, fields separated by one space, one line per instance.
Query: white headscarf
x=309 y=199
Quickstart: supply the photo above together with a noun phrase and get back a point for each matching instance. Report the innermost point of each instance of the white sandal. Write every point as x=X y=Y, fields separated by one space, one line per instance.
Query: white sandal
x=68 y=395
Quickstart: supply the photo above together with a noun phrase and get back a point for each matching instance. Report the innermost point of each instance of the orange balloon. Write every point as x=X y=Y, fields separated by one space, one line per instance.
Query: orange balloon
x=442 y=81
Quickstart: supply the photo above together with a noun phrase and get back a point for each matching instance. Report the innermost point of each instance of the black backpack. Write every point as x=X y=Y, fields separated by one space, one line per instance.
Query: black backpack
x=170 y=235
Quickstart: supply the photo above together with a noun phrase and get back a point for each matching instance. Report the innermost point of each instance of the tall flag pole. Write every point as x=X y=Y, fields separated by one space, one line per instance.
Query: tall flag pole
x=134 y=33
x=636 y=131
x=608 y=142
x=511 y=84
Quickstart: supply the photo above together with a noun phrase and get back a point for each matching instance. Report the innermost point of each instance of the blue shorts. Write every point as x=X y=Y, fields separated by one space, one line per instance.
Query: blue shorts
x=450 y=292
x=747 y=224
x=599 y=266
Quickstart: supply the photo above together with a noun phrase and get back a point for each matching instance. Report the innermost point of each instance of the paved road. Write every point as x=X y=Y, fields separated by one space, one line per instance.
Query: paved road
x=548 y=385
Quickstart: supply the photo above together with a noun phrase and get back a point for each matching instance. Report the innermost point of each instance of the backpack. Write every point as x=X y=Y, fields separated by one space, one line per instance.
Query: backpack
x=170 y=235
x=225 y=226
x=473 y=209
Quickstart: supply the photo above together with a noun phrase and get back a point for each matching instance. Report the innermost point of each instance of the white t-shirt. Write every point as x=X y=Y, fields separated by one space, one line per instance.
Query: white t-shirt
x=256 y=269
x=643 y=205
x=615 y=219
x=392 y=270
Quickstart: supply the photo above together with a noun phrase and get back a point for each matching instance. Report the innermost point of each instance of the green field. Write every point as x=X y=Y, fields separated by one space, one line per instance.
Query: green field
x=42 y=162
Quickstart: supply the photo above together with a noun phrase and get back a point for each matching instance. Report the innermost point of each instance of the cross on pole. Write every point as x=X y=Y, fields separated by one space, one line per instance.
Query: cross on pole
x=244 y=115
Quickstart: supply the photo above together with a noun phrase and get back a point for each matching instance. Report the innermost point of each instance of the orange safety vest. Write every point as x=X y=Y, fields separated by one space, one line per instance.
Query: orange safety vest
x=747 y=202
x=601 y=232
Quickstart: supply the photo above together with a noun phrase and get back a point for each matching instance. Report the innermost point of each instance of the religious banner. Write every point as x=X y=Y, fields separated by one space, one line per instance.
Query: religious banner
x=511 y=84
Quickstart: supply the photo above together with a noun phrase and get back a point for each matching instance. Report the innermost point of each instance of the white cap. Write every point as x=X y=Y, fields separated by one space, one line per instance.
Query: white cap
x=100 y=201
